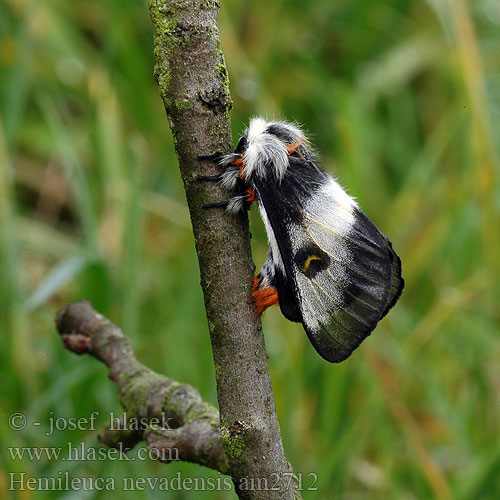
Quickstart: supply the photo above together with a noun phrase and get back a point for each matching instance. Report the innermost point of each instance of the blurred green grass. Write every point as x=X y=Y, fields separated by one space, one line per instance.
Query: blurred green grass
x=401 y=98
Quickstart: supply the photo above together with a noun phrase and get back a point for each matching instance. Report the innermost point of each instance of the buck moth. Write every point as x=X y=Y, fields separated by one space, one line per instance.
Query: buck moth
x=328 y=266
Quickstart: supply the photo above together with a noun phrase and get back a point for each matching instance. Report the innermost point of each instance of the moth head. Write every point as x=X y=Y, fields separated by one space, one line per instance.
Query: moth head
x=266 y=147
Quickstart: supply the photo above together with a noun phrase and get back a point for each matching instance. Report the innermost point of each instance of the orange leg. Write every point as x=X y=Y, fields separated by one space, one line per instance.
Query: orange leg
x=292 y=148
x=239 y=163
x=251 y=195
x=263 y=297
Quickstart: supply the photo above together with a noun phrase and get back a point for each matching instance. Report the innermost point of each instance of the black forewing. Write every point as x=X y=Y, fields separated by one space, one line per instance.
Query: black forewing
x=281 y=216
x=342 y=277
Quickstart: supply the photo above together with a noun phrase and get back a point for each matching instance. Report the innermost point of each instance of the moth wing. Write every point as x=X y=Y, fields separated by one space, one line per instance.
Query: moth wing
x=398 y=282
x=335 y=264
x=345 y=292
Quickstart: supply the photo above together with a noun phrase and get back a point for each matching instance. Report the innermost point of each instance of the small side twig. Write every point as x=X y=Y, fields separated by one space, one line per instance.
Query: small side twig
x=172 y=415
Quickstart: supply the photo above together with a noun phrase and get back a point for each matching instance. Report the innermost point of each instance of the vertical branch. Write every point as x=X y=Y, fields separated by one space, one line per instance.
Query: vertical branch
x=193 y=83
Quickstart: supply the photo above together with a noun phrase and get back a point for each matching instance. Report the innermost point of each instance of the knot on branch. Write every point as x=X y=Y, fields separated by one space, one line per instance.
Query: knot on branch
x=217 y=101
x=77 y=324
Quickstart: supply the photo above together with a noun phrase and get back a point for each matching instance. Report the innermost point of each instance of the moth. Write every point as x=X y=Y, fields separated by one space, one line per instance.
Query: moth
x=328 y=266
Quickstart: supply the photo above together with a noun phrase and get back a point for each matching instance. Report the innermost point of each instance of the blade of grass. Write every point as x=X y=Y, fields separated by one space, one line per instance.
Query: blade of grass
x=61 y=274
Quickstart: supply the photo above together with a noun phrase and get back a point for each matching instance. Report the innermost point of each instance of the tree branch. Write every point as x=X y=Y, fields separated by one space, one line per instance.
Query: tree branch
x=193 y=83
x=175 y=422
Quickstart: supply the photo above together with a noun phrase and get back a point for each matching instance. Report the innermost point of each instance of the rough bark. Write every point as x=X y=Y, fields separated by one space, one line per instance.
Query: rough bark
x=193 y=83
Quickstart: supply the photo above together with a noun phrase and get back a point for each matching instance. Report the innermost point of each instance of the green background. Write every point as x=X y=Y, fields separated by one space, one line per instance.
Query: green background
x=402 y=100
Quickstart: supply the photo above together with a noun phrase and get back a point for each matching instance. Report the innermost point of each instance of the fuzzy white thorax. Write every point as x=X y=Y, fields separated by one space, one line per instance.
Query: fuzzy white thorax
x=265 y=150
